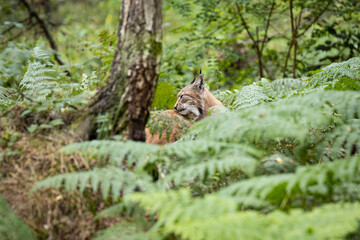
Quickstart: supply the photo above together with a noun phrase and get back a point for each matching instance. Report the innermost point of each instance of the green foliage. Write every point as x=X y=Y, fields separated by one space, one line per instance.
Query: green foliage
x=37 y=83
x=11 y=226
x=281 y=88
x=126 y=231
x=265 y=91
x=120 y=182
x=184 y=162
x=286 y=145
x=7 y=142
x=5 y=100
x=212 y=217
x=300 y=188
x=346 y=72
x=165 y=96
x=163 y=122
x=275 y=145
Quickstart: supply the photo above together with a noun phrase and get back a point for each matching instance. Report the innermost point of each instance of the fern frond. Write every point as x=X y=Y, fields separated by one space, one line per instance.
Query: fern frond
x=37 y=82
x=249 y=96
x=212 y=217
x=223 y=164
x=126 y=231
x=164 y=203
x=281 y=88
x=5 y=100
x=273 y=121
x=11 y=226
x=334 y=72
x=209 y=156
x=318 y=180
x=284 y=119
x=113 y=179
x=40 y=54
x=115 y=150
x=227 y=97
x=3 y=93
x=164 y=122
x=343 y=141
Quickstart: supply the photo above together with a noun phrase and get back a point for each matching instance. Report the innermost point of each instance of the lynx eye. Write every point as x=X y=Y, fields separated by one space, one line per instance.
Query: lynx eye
x=181 y=96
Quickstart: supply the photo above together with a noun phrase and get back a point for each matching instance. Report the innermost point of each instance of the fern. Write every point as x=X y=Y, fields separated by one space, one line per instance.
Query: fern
x=273 y=121
x=306 y=182
x=281 y=88
x=237 y=156
x=135 y=228
x=336 y=72
x=203 y=157
x=11 y=227
x=257 y=93
x=37 y=82
x=342 y=141
x=126 y=231
x=135 y=152
x=163 y=122
x=218 y=218
x=248 y=96
x=283 y=120
x=5 y=100
x=116 y=180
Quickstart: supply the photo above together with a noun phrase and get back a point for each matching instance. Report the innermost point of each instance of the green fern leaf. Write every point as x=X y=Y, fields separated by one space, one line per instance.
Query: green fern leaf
x=111 y=179
x=11 y=226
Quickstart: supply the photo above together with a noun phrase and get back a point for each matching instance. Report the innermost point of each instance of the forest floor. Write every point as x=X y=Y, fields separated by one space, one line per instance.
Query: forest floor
x=52 y=214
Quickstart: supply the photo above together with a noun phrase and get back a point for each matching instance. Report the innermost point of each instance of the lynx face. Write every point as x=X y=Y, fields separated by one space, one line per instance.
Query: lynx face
x=190 y=98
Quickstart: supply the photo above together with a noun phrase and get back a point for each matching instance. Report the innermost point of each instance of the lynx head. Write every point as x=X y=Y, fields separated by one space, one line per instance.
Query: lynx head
x=190 y=98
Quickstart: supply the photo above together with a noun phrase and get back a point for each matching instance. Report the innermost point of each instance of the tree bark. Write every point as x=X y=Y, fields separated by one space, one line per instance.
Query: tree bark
x=128 y=92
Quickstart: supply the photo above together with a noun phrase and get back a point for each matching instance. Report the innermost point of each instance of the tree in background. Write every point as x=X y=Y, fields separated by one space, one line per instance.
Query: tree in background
x=308 y=14
x=258 y=42
x=128 y=92
x=243 y=40
x=20 y=17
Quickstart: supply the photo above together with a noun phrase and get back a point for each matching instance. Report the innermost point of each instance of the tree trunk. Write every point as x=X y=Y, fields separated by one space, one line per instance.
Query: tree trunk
x=129 y=91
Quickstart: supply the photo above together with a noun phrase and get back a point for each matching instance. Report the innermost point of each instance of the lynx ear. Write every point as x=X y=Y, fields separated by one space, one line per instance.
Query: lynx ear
x=199 y=82
x=193 y=80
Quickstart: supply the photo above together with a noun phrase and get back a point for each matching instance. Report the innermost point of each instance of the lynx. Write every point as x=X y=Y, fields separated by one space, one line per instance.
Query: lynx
x=193 y=101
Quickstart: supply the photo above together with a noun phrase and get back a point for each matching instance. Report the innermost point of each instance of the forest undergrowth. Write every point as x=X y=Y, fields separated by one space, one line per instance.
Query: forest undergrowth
x=280 y=156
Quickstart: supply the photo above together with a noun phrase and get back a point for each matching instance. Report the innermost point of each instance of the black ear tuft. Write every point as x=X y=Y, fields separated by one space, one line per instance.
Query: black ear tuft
x=200 y=70
x=193 y=80
x=199 y=82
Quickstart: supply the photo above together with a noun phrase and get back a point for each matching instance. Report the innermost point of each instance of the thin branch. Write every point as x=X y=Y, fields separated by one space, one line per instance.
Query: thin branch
x=8 y=29
x=267 y=25
x=245 y=25
x=287 y=58
x=43 y=26
x=12 y=26
x=294 y=35
x=19 y=34
x=255 y=42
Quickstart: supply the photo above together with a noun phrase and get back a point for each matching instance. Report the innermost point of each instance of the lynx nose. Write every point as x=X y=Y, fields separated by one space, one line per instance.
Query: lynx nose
x=175 y=108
